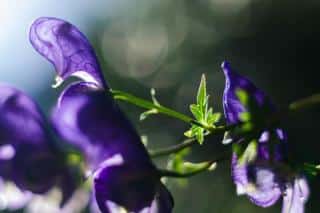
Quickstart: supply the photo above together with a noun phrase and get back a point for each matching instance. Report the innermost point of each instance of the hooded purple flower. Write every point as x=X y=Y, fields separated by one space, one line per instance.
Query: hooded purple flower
x=28 y=155
x=262 y=180
x=88 y=118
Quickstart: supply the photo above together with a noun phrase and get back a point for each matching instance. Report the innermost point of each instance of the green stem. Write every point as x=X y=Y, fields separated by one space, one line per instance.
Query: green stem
x=123 y=96
x=173 y=149
x=205 y=167
x=185 y=144
x=173 y=174
x=305 y=103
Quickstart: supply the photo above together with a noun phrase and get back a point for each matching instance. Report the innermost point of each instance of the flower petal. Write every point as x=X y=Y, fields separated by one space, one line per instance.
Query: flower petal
x=88 y=118
x=296 y=195
x=131 y=188
x=258 y=183
x=232 y=106
x=67 y=48
x=124 y=175
x=266 y=190
x=11 y=197
x=29 y=157
x=163 y=202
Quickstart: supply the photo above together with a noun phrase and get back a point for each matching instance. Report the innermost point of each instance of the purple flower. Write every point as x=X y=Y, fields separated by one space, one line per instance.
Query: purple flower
x=67 y=48
x=28 y=155
x=88 y=118
x=264 y=180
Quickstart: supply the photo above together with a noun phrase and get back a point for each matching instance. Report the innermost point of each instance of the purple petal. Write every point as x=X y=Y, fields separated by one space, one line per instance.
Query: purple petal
x=124 y=175
x=266 y=190
x=296 y=195
x=22 y=132
x=163 y=201
x=232 y=106
x=258 y=183
x=239 y=175
x=28 y=155
x=11 y=197
x=88 y=118
x=67 y=48
x=130 y=187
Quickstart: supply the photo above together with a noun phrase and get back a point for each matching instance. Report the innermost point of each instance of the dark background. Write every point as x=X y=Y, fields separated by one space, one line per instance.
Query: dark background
x=167 y=45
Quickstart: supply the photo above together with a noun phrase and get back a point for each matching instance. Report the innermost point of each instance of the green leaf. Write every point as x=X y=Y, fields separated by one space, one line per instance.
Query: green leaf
x=213 y=117
x=197 y=132
x=176 y=163
x=145 y=114
x=249 y=154
x=196 y=111
x=202 y=92
x=191 y=167
x=188 y=133
x=200 y=135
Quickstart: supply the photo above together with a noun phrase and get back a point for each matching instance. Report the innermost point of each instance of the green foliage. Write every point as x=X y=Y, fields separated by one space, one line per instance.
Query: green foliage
x=246 y=153
x=311 y=169
x=257 y=114
x=144 y=140
x=193 y=167
x=152 y=111
x=145 y=114
x=176 y=163
x=202 y=114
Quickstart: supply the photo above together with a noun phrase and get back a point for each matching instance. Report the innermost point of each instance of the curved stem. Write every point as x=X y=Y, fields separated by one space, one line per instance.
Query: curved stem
x=172 y=174
x=205 y=167
x=119 y=95
x=304 y=103
x=173 y=149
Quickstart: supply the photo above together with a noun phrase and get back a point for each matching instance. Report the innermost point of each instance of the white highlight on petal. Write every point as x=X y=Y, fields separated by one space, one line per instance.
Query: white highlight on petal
x=115 y=208
x=114 y=160
x=146 y=210
x=50 y=202
x=11 y=197
x=84 y=75
x=241 y=190
x=281 y=134
x=264 y=137
x=304 y=188
x=7 y=152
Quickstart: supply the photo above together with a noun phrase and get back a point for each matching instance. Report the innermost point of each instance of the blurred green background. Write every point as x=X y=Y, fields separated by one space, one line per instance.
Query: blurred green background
x=167 y=45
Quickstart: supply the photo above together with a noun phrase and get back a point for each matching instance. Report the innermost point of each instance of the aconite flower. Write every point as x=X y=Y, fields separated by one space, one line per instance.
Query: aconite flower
x=265 y=178
x=87 y=117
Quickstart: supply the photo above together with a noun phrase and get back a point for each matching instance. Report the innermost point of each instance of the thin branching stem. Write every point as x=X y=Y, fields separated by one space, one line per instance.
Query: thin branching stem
x=305 y=103
x=173 y=149
x=295 y=106
x=123 y=96
x=206 y=166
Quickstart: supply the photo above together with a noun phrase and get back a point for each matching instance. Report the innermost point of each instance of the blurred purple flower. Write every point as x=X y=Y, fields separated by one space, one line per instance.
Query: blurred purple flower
x=87 y=117
x=261 y=179
x=28 y=155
